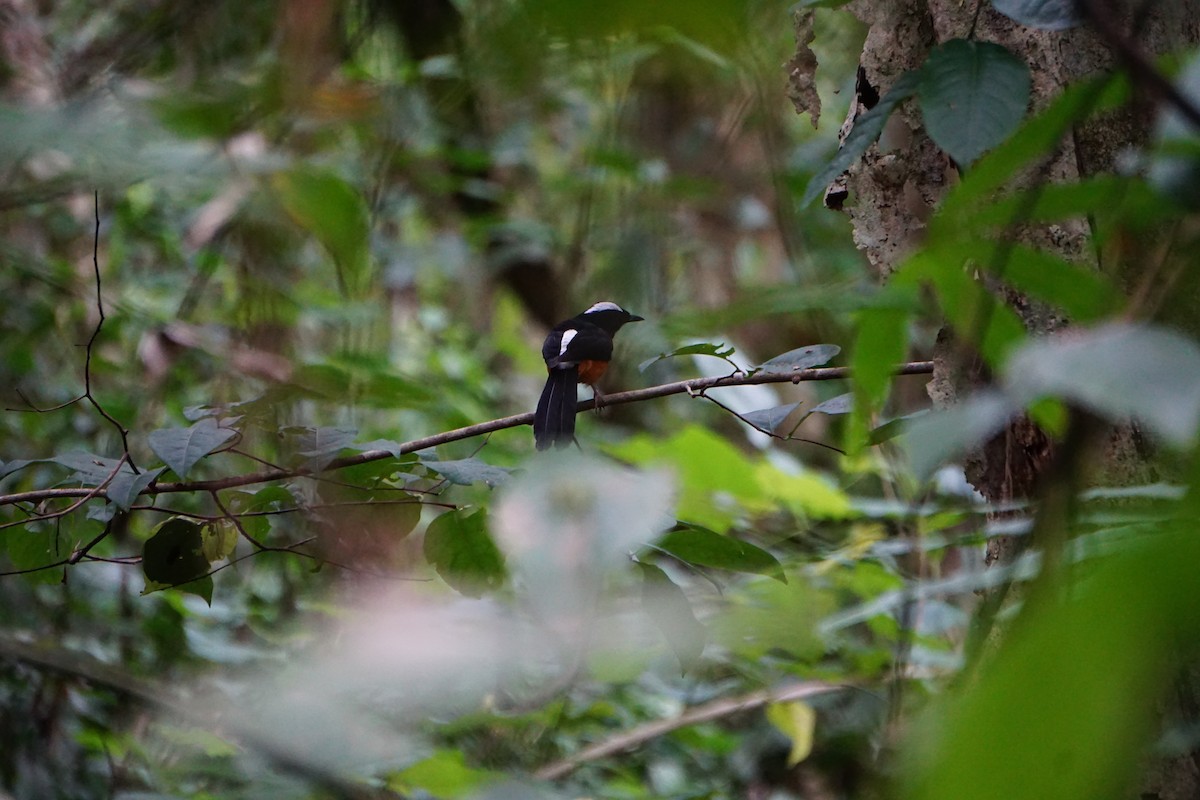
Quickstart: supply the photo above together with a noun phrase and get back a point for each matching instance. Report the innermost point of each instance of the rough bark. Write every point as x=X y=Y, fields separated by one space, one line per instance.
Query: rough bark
x=894 y=188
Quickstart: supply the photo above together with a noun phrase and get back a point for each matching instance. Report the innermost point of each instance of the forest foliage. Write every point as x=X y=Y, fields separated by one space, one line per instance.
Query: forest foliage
x=261 y=258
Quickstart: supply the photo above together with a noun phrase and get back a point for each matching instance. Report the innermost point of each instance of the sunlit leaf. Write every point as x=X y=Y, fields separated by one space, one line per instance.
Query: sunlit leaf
x=443 y=774
x=841 y=404
x=973 y=95
x=796 y=720
x=181 y=448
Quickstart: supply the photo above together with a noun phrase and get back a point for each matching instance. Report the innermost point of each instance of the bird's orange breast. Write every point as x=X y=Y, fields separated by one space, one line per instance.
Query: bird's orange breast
x=591 y=371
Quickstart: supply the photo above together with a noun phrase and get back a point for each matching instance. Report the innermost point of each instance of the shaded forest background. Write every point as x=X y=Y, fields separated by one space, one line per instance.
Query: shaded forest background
x=254 y=254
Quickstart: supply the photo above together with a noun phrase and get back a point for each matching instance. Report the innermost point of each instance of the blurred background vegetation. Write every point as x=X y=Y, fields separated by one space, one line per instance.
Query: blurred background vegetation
x=340 y=226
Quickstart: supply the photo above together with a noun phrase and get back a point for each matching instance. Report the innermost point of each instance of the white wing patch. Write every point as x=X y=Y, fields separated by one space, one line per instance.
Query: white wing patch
x=567 y=336
x=604 y=305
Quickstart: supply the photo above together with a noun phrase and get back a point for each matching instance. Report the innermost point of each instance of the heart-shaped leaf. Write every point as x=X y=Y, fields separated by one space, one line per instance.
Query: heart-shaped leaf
x=181 y=448
x=973 y=95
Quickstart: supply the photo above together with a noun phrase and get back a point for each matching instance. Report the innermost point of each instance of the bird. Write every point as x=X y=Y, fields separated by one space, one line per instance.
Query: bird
x=577 y=350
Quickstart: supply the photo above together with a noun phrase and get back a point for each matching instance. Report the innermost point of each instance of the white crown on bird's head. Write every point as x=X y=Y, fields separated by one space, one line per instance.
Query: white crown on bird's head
x=605 y=305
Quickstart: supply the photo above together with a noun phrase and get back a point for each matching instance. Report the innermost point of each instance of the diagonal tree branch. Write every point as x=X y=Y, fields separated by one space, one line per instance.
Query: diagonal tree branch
x=694 y=387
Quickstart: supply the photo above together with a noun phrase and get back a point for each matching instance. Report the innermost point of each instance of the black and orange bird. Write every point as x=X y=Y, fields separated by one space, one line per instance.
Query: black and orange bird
x=576 y=351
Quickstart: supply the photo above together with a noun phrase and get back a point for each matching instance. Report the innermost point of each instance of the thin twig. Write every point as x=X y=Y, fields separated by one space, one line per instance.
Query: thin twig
x=705 y=713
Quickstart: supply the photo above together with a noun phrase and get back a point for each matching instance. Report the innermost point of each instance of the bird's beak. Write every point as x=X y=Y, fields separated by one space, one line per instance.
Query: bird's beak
x=636 y=318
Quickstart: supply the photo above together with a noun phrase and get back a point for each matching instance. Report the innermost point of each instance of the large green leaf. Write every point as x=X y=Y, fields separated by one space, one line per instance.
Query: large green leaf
x=467 y=471
x=181 y=448
x=973 y=95
x=1060 y=708
x=703 y=547
x=458 y=546
x=174 y=555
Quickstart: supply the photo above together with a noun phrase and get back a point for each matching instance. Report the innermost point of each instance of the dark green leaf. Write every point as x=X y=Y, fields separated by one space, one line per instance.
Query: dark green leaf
x=1035 y=138
x=181 y=448
x=125 y=488
x=1049 y=15
x=1117 y=370
x=31 y=549
x=9 y=467
x=799 y=359
x=866 y=130
x=701 y=349
x=973 y=95
x=468 y=471
x=464 y=555
x=174 y=555
x=768 y=419
x=671 y=611
x=706 y=548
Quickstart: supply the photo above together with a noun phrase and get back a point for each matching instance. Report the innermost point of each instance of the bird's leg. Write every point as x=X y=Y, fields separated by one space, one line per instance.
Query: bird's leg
x=597 y=398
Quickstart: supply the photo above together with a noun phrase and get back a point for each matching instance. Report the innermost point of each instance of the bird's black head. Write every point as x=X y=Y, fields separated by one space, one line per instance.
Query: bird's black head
x=609 y=316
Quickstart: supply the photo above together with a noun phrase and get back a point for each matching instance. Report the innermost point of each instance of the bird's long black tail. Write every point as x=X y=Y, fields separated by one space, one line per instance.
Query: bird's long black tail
x=554 y=420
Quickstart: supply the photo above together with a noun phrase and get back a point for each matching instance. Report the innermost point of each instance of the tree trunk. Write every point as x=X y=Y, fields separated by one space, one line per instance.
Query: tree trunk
x=894 y=188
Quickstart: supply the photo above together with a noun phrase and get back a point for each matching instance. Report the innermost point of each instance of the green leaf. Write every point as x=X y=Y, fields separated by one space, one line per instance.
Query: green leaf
x=126 y=487
x=1117 y=370
x=174 y=555
x=700 y=349
x=669 y=608
x=1034 y=139
x=881 y=343
x=1129 y=613
x=801 y=358
x=335 y=213
x=468 y=471
x=866 y=130
x=973 y=95
x=459 y=548
x=219 y=539
x=706 y=548
x=768 y=419
x=443 y=774
x=181 y=448
x=1049 y=15
x=31 y=549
